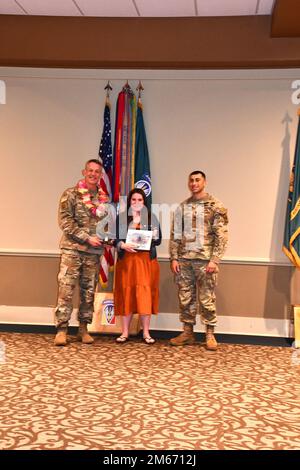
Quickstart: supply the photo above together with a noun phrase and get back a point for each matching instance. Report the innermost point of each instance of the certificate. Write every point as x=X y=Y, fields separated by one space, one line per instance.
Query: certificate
x=141 y=239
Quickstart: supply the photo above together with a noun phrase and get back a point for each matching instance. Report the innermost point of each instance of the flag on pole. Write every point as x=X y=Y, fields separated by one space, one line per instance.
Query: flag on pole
x=105 y=151
x=117 y=147
x=123 y=175
x=291 y=242
x=105 y=155
x=142 y=175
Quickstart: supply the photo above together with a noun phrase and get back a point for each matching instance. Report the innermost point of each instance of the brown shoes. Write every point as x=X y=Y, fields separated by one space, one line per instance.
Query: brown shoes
x=61 y=338
x=83 y=334
x=211 y=343
x=185 y=338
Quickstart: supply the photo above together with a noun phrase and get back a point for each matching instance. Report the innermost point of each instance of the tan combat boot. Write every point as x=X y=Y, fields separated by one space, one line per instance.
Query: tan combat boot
x=61 y=337
x=186 y=337
x=211 y=343
x=83 y=334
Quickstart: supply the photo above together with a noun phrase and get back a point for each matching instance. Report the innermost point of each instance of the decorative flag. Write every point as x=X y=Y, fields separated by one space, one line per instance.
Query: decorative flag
x=291 y=242
x=117 y=148
x=123 y=175
x=142 y=175
x=105 y=154
x=105 y=151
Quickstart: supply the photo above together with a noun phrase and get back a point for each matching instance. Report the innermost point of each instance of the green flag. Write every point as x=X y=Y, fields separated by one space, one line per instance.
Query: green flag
x=142 y=175
x=291 y=242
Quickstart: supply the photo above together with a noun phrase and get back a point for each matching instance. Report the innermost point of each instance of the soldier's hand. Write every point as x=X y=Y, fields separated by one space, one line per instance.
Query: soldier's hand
x=94 y=241
x=175 y=268
x=212 y=267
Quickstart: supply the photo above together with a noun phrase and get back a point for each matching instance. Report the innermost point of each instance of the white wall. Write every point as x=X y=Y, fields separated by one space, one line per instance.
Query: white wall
x=227 y=123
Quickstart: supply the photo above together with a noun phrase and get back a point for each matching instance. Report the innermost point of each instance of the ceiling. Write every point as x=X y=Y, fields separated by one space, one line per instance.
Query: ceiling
x=137 y=8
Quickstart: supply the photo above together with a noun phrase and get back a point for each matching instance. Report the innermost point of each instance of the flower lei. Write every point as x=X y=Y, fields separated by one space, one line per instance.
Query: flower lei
x=94 y=208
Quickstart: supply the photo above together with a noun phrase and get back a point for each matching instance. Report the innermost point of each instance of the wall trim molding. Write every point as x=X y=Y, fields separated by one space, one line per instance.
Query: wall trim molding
x=163 y=322
x=164 y=258
x=30 y=253
x=243 y=260
x=148 y=74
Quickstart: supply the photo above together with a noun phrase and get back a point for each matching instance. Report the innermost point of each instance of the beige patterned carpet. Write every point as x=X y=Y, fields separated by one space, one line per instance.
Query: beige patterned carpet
x=134 y=396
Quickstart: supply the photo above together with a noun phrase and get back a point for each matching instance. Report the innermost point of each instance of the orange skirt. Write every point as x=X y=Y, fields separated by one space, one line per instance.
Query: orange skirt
x=136 y=284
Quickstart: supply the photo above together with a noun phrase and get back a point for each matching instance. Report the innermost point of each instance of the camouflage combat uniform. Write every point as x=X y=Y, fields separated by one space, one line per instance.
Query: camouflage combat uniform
x=199 y=235
x=79 y=260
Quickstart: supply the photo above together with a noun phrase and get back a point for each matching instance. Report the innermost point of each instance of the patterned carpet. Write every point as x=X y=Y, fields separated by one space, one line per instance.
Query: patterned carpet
x=134 y=396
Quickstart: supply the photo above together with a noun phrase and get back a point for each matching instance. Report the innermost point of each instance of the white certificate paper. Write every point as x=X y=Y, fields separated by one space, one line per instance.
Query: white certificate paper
x=141 y=239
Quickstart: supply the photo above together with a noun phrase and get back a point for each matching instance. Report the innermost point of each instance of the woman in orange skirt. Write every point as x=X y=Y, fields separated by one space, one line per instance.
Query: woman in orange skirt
x=137 y=272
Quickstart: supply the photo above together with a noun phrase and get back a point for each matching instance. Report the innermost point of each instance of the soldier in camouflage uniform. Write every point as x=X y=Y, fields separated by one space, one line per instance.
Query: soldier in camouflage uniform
x=80 y=209
x=198 y=241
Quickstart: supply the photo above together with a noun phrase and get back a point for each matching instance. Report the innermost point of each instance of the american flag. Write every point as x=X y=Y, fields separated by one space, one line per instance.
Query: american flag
x=105 y=155
x=105 y=151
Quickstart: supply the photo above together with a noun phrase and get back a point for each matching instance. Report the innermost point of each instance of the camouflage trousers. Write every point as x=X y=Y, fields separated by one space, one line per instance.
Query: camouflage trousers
x=196 y=287
x=76 y=266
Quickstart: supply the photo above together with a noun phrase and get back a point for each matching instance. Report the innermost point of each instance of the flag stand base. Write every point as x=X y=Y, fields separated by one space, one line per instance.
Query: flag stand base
x=104 y=319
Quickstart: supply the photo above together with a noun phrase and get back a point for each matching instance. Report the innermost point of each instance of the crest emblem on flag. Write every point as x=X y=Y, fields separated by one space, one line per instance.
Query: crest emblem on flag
x=108 y=313
x=145 y=184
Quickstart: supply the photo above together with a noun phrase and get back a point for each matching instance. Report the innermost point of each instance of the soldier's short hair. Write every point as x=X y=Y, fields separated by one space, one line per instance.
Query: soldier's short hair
x=196 y=172
x=93 y=160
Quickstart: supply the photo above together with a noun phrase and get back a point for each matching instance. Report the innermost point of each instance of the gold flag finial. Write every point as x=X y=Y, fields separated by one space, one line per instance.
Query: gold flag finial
x=139 y=89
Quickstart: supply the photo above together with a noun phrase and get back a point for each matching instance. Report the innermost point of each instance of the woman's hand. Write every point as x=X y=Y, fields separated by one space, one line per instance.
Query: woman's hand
x=128 y=247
